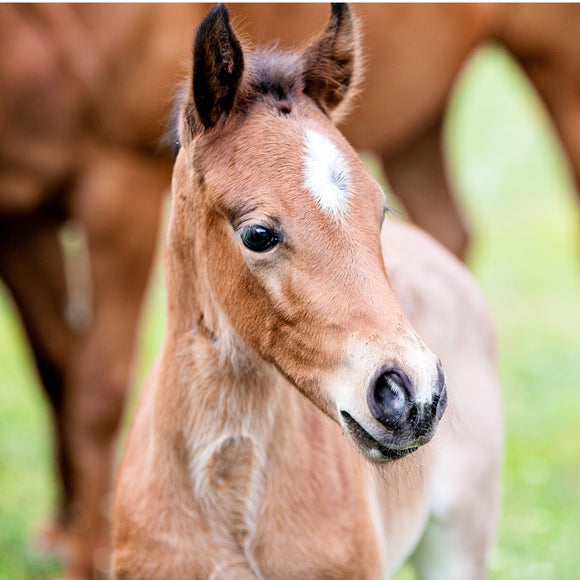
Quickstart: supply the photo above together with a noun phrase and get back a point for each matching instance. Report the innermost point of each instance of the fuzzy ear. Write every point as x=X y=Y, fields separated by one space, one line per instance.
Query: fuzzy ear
x=218 y=64
x=332 y=67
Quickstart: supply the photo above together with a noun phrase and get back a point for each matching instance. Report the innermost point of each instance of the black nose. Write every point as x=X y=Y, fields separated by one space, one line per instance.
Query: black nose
x=388 y=398
x=391 y=401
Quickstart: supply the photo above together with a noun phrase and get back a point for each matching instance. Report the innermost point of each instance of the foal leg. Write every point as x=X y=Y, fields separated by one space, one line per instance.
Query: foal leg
x=118 y=202
x=417 y=176
x=449 y=550
x=459 y=535
x=32 y=267
x=465 y=493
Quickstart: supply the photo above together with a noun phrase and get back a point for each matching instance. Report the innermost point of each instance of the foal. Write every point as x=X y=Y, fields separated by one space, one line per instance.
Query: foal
x=281 y=431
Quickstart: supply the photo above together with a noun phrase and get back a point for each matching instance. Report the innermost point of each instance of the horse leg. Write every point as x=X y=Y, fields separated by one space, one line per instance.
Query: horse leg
x=417 y=175
x=118 y=202
x=465 y=492
x=32 y=267
x=549 y=61
x=457 y=542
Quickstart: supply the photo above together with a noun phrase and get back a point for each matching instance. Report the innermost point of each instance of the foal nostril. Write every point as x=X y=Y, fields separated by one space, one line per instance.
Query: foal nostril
x=388 y=397
x=440 y=395
x=440 y=384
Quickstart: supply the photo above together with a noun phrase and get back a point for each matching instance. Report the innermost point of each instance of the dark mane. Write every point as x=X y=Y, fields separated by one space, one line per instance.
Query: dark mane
x=270 y=73
x=228 y=78
x=275 y=73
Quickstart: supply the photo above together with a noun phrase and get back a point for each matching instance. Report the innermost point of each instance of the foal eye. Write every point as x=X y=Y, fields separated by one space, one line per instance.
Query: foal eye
x=259 y=238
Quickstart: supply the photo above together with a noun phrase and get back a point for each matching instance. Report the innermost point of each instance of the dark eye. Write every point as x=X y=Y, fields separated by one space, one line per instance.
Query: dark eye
x=259 y=238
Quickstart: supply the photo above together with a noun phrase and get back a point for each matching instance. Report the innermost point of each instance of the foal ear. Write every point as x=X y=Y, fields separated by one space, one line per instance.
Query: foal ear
x=218 y=64
x=332 y=67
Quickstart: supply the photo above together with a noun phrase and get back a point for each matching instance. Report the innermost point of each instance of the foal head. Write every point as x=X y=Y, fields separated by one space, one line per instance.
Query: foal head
x=274 y=240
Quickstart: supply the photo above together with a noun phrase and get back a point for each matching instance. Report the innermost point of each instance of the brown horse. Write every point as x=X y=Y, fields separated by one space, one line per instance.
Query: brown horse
x=85 y=94
x=285 y=429
x=60 y=163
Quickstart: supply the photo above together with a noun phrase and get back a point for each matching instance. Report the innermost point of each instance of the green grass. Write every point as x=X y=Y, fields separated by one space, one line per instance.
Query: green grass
x=26 y=486
x=515 y=188
x=521 y=201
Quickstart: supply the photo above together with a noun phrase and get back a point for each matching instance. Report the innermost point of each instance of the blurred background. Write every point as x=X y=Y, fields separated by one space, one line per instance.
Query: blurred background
x=515 y=187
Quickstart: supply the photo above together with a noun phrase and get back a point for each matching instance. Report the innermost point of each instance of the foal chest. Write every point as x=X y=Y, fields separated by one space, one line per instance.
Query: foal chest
x=297 y=516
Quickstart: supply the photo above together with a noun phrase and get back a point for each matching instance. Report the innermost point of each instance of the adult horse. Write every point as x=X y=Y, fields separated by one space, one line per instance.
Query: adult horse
x=285 y=430
x=63 y=160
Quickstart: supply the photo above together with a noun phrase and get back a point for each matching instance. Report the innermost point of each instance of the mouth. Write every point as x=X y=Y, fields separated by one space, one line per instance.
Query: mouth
x=377 y=452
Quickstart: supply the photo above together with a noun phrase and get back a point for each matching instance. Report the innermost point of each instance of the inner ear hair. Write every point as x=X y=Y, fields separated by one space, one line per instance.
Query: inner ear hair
x=218 y=65
x=333 y=65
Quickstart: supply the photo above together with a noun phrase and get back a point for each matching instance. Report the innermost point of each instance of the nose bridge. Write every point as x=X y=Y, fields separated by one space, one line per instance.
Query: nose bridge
x=378 y=316
x=371 y=307
x=361 y=306
x=393 y=344
x=419 y=364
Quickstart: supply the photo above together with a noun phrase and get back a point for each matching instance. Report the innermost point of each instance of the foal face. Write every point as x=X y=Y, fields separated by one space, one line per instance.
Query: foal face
x=287 y=234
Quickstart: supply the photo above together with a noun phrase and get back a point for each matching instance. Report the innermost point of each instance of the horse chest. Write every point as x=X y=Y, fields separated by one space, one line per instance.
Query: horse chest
x=284 y=519
x=308 y=528
x=228 y=484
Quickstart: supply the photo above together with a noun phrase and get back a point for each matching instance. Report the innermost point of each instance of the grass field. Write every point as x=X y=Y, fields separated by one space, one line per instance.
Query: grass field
x=517 y=192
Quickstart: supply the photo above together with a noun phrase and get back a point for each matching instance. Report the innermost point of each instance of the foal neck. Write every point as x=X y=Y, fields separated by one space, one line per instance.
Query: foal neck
x=221 y=387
